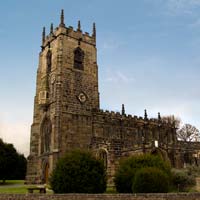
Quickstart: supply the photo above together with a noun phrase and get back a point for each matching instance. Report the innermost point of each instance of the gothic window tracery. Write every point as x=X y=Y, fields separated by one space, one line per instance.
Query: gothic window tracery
x=78 y=58
x=46 y=130
x=49 y=60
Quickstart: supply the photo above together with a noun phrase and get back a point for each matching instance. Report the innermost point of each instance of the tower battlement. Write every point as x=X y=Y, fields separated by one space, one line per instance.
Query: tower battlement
x=69 y=31
x=130 y=119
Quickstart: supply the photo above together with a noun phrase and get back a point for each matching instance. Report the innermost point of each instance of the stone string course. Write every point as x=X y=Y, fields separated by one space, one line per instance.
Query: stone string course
x=171 y=196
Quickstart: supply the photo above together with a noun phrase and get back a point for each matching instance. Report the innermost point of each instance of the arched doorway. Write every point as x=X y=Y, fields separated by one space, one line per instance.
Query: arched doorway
x=162 y=153
x=156 y=152
x=46 y=173
x=104 y=157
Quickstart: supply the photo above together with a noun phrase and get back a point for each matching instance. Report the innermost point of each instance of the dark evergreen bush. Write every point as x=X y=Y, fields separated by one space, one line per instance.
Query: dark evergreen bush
x=78 y=172
x=12 y=164
x=128 y=167
x=150 y=180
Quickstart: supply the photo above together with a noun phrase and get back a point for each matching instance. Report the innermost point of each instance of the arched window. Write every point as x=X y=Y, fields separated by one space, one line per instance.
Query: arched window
x=46 y=129
x=78 y=58
x=104 y=157
x=49 y=58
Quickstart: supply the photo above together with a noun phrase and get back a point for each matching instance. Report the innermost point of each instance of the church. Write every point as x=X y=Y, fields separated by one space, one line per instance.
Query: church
x=67 y=112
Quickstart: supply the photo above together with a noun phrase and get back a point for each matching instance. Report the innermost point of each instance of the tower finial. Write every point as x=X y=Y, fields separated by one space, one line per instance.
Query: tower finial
x=123 y=109
x=79 y=25
x=159 y=117
x=51 y=28
x=94 y=31
x=43 y=35
x=145 y=114
x=62 y=24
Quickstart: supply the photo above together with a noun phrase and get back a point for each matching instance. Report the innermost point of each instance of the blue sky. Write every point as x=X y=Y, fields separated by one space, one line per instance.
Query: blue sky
x=148 y=57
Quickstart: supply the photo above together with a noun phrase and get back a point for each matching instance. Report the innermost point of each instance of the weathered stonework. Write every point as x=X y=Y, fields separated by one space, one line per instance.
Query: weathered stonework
x=67 y=114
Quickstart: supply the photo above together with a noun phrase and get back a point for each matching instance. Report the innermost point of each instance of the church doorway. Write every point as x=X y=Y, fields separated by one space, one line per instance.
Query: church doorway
x=162 y=153
x=104 y=157
x=46 y=173
x=157 y=152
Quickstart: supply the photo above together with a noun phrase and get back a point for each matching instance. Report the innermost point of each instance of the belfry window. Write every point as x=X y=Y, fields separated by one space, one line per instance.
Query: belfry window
x=78 y=58
x=49 y=58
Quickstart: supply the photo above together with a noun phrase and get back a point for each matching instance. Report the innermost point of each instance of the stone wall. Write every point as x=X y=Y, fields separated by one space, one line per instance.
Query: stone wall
x=171 y=196
x=120 y=135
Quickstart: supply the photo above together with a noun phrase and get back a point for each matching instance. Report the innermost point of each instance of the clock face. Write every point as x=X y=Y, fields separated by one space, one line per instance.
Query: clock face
x=82 y=97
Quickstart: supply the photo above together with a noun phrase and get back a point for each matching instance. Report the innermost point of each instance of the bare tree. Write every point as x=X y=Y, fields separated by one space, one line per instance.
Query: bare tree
x=188 y=133
x=171 y=119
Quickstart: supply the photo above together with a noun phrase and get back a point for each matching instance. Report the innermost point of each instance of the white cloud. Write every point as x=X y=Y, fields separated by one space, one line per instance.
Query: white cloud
x=118 y=77
x=111 y=44
x=113 y=41
x=187 y=111
x=17 y=133
x=181 y=7
x=195 y=24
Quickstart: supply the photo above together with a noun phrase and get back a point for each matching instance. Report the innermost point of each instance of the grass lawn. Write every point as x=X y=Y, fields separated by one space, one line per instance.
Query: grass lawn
x=13 y=190
x=15 y=187
x=110 y=190
x=12 y=182
x=18 y=187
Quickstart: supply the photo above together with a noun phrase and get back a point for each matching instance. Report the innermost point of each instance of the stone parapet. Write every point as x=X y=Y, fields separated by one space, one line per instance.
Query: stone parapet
x=167 y=196
x=71 y=33
x=128 y=119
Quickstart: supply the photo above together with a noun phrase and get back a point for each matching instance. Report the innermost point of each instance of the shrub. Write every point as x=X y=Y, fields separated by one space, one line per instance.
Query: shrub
x=78 y=172
x=193 y=170
x=128 y=167
x=150 y=180
x=182 y=180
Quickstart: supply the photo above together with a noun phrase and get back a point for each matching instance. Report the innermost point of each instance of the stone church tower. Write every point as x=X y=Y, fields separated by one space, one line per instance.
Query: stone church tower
x=67 y=114
x=67 y=90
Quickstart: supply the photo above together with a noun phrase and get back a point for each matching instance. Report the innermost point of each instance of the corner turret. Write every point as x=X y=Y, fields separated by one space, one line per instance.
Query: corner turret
x=51 y=29
x=123 y=109
x=62 y=24
x=79 y=26
x=43 y=35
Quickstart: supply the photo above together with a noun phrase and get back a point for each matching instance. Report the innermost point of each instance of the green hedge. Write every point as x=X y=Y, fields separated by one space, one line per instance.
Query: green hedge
x=128 y=167
x=150 y=180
